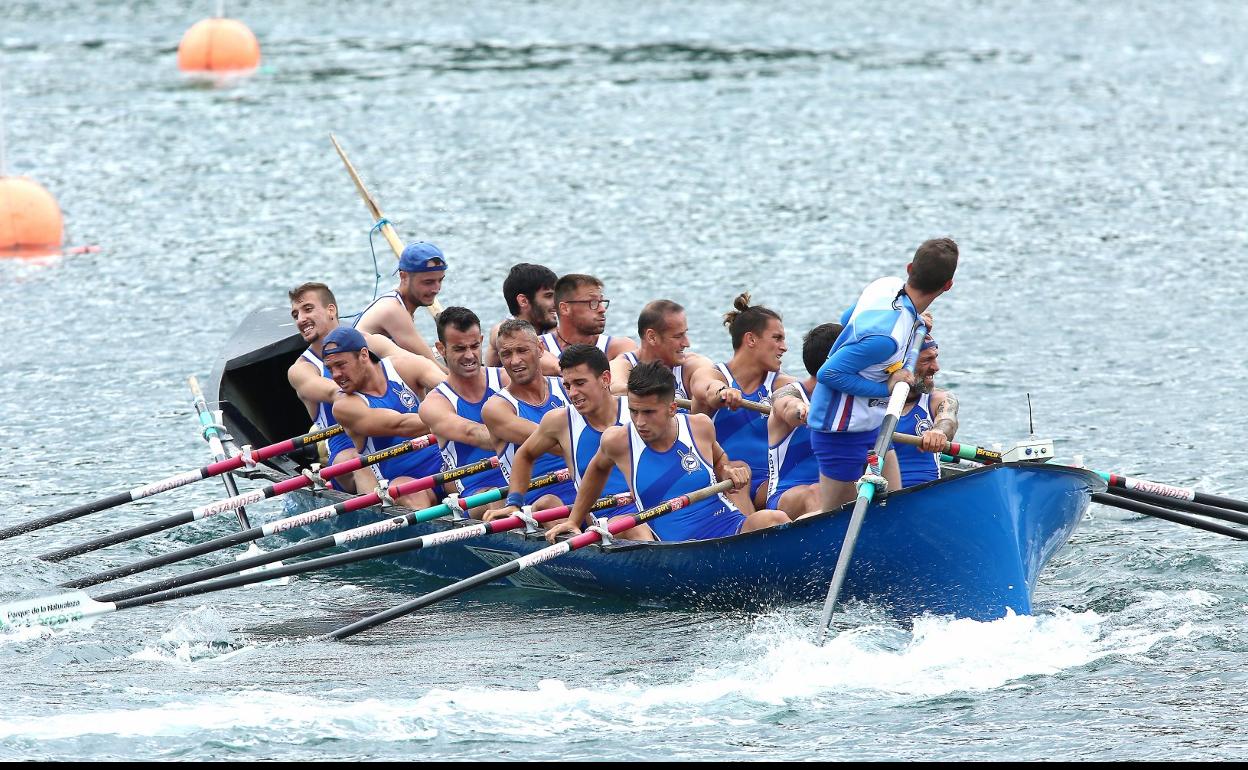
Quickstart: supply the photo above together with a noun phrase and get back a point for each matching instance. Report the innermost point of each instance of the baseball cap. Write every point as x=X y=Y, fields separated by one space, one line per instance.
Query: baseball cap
x=344 y=339
x=421 y=257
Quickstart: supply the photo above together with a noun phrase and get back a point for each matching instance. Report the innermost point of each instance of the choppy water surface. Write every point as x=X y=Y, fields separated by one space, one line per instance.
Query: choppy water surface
x=1087 y=156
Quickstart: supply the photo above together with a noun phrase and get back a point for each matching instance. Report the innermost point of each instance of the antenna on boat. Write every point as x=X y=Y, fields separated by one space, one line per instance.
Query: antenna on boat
x=1031 y=418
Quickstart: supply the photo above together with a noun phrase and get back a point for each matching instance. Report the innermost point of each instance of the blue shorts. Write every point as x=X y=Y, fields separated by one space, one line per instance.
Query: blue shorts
x=482 y=482
x=758 y=478
x=842 y=456
x=617 y=511
x=565 y=491
x=773 y=500
x=719 y=521
x=337 y=444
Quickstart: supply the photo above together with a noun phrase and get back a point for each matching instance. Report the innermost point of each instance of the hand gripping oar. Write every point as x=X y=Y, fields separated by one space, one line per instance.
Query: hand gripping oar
x=212 y=435
x=753 y=406
x=280 y=525
x=387 y=230
x=77 y=605
x=954 y=449
x=232 y=503
x=866 y=485
x=329 y=541
x=592 y=535
x=173 y=482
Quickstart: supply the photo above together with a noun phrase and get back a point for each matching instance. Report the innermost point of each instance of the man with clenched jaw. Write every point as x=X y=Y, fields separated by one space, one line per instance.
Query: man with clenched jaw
x=315 y=313
x=453 y=409
x=512 y=415
x=575 y=431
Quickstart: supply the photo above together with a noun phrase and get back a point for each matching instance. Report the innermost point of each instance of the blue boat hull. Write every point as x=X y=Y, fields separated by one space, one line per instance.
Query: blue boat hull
x=971 y=546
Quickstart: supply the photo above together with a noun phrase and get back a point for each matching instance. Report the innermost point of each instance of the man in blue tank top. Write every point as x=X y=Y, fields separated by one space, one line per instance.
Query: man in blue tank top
x=866 y=361
x=929 y=413
x=378 y=405
x=663 y=455
x=452 y=410
x=582 y=311
x=753 y=374
x=663 y=330
x=575 y=432
x=792 y=469
x=315 y=313
x=513 y=413
x=422 y=266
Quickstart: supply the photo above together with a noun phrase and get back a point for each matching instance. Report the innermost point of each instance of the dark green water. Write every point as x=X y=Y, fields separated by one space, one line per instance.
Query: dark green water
x=1087 y=157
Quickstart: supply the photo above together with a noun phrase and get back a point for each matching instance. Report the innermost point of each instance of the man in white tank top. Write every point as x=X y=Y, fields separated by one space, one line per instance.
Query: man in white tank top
x=582 y=311
x=664 y=333
x=939 y=408
x=422 y=266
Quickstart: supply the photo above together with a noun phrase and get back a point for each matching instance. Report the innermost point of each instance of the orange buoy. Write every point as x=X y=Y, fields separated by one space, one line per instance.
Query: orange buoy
x=30 y=219
x=218 y=45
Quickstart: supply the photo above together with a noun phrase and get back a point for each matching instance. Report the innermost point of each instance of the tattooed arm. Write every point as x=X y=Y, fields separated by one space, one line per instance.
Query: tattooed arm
x=945 y=419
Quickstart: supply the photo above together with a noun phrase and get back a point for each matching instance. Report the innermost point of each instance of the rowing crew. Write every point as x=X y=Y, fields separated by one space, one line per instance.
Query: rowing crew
x=562 y=393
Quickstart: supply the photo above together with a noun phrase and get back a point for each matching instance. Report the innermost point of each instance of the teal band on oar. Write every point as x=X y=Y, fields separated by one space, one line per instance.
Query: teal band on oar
x=615 y=526
x=172 y=482
x=866 y=485
x=273 y=527
x=232 y=503
x=364 y=532
x=212 y=435
x=77 y=605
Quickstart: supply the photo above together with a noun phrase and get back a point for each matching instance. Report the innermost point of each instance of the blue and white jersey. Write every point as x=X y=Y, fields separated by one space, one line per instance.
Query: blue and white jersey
x=678 y=371
x=547 y=463
x=325 y=410
x=402 y=399
x=660 y=476
x=916 y=467
x=743 y=432
x=792 y=462
x=456 y=454
x=551 y=343
x=883 y=310
x=585 y=441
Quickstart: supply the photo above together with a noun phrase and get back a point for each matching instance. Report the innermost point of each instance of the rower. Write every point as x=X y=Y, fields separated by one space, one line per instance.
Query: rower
x=663 y=455
x=453 y=409
x=931 y=414
x=315 y=313
x=582 y=314
x=792 y=470
x=575 y=431
x=664 y=333
x=422 y=266
x=377 y=404
x=512 y=414
x=752 y=374
x=867 y=360
x=529 y=291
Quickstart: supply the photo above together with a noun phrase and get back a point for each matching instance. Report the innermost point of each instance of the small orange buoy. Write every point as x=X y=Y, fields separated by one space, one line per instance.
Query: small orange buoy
x=30 y=219
x=218 y=45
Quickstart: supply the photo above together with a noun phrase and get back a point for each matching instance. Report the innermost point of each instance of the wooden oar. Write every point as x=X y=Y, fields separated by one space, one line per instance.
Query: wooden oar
x=615 y=526
x=866 y=489
x=387 y=230
x=213 y=436
x=233 y=503
x=364 y=532
x=274 y=527
x=172 y=482
x=77 y=605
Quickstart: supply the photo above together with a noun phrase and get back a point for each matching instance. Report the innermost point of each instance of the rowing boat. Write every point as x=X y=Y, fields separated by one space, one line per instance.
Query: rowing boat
x=972 y=544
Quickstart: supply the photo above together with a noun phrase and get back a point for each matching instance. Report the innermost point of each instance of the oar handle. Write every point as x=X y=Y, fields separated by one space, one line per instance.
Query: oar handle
x=752 y=406
x=387 y=231
x=953 y=449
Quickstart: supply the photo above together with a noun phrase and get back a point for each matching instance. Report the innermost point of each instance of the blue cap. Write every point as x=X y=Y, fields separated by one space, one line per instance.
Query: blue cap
x=928 y=342
x=344 y=339
x=421 y=257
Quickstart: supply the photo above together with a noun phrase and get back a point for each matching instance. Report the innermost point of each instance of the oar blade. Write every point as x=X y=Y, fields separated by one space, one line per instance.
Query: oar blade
x=74 y=607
